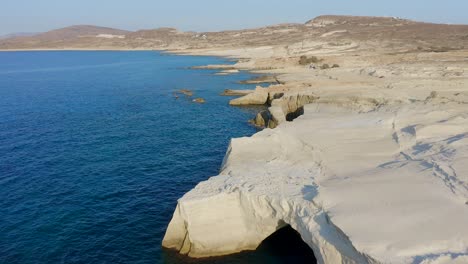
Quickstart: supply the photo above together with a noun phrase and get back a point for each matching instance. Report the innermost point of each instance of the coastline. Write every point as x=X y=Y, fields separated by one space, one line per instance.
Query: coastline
x=78 y=49
x=370 y=94
x=366 y=160
x=315 y=177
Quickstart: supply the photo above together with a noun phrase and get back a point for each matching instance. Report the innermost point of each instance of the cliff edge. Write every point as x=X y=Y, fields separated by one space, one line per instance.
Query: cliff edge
x=368 y=157
x=374 y=187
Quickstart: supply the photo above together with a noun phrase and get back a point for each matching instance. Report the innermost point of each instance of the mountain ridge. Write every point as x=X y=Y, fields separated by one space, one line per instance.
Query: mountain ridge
x=332 y=27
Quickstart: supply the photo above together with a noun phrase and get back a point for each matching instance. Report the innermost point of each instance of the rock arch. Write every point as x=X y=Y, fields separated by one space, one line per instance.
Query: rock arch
x=286 y=246
x=240 y=208
x=229 y=223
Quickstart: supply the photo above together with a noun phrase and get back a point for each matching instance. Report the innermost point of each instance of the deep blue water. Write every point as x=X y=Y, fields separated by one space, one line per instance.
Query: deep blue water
x=95 y=151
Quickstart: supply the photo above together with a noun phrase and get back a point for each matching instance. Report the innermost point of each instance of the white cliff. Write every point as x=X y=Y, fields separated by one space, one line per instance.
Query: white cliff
x=382 y=186
x=374 y=169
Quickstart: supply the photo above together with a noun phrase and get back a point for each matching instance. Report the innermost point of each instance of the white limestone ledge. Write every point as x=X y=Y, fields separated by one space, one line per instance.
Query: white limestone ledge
x=385 y=186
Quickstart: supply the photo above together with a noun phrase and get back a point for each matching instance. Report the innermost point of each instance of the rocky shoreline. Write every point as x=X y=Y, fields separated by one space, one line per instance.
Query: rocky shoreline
x=367 y=161
x=365 y=150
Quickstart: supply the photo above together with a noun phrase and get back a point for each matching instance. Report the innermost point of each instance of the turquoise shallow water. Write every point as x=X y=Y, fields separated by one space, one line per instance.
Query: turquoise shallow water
x=95 y=151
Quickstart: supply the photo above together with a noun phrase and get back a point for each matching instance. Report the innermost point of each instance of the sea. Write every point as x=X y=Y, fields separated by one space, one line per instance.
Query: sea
x=96 y=147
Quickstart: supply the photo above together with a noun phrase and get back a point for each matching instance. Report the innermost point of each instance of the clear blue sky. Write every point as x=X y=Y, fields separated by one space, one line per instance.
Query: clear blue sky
x=210 y=15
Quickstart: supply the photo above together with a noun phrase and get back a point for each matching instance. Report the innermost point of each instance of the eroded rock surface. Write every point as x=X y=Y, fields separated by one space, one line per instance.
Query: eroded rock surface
x=383 y=186
x=288 y=107
x=372 y=168
x=257 y=97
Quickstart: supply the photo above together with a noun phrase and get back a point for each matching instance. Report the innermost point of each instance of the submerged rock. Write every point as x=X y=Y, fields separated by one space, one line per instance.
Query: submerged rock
x=228 y=72
x=199 y=100
x=229 y=92
x=186 y=92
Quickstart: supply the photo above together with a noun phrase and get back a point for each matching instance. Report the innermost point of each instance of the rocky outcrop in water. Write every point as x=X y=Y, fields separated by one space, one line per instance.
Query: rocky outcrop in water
x=258 y=97
x=229 y=92
x=199 y=100
x=186 y=92
x=289 y=107
x=283 y=107
x=262 y=119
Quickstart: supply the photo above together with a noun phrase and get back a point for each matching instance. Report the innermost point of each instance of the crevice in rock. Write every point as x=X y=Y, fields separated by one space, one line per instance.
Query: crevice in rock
x=186 y=245
x=293 y=115
x=262 y=119
x=274 y=96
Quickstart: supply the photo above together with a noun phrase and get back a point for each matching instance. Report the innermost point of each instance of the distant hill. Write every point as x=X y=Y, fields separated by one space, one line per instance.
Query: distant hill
x=79 y=31
x=79 y=36
x=392 y=31
x=18 y=34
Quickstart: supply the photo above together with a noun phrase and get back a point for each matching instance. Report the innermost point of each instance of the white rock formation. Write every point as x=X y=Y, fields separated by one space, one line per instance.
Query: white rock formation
x=258 y=97
x=386 y=186
x=288 y=106
x=110 y=36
